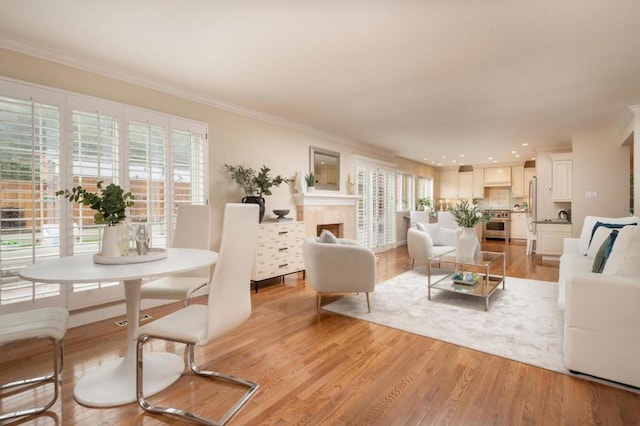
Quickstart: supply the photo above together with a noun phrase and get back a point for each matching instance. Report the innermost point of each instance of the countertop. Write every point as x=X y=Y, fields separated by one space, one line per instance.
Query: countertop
x=554 y=221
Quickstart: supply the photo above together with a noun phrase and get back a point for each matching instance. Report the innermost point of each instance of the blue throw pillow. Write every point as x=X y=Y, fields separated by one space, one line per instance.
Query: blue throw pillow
x=608 y=225
x=603 y=252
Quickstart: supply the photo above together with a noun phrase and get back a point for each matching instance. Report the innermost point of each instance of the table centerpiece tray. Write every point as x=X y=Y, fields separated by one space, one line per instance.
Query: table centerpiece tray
x=153 y=255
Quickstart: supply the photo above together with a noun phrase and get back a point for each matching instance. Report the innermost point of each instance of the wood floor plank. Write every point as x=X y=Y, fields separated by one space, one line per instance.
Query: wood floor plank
x=327 y=369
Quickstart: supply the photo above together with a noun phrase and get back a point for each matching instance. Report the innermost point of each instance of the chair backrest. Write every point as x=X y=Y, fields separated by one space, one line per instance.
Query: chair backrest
x=530 y=226
x=193 y=230
x=193 y=227
x=230 y=292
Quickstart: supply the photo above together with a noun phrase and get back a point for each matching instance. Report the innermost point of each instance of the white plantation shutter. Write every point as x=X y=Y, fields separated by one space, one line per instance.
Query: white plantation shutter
x=375 y=183
x=30 y=131
x=51 y=140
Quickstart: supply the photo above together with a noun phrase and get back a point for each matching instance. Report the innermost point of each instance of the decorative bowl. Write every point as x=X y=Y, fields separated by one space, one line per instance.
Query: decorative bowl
x=281 y=213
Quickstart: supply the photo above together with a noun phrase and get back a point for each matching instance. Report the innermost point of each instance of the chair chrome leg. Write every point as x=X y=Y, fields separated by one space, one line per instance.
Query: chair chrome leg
x=54 y=377
x=368 y=302
x=142 y=402
x=318 y=298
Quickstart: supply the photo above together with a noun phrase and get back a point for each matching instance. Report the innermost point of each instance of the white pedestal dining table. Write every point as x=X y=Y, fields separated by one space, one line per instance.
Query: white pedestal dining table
x=114 y=382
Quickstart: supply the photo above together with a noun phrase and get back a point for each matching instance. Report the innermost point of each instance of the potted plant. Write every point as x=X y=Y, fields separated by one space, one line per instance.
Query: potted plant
x=110 y=205
x=255 y=185
x=467 y=216
x=310 y=179
x=424 y=204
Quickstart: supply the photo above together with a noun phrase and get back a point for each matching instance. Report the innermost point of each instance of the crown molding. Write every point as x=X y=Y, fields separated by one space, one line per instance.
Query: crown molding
x=62 y=58
x=625 y=124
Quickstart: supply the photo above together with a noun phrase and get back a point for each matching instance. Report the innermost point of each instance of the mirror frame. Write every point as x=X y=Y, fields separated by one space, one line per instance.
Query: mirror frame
x=313 y=152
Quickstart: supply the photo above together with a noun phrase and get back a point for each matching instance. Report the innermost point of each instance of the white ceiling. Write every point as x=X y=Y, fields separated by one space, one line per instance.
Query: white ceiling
x=421 y=79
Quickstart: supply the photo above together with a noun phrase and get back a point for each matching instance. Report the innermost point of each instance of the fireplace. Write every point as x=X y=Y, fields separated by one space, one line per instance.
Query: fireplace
x=335 y=228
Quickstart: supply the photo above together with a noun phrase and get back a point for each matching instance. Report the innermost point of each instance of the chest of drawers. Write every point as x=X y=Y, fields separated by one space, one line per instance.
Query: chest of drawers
x=279 y=250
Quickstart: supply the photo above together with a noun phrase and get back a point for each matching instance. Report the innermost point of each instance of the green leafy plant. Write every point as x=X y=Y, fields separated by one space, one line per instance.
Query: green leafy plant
x=423 y=203
x=310 y=179
x=468 y=215
x=110 y=204
x=252 y=183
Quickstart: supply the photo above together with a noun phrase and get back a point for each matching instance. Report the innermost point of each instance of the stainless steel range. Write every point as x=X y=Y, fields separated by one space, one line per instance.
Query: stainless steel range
x=499 y=226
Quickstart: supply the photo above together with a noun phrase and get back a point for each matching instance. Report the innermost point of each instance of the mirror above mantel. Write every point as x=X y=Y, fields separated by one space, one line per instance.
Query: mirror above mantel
x=325 y=165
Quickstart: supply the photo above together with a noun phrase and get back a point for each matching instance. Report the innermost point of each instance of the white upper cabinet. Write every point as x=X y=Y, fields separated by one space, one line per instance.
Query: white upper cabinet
x=517 y=181
x=561 y=177
x=465 y=185
x=478 y=183
x=449 y=184
x=497 y=176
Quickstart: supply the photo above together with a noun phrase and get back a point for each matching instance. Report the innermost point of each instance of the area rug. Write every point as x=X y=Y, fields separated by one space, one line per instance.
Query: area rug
x=523 y=323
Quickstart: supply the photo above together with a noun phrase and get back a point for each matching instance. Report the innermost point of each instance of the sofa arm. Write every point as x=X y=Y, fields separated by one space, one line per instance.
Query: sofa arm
x=602 y=320
x=571 y=245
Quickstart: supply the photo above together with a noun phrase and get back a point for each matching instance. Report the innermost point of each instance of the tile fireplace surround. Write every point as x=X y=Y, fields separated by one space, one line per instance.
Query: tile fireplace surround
x=325 y=207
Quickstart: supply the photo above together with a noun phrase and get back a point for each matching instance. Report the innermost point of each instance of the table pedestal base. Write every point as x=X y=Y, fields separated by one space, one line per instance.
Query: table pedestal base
x=114 y=383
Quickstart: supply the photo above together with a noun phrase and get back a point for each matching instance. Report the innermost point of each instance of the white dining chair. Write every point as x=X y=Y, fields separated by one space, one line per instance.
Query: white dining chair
x=229 y=305
x=193 y=230
x=44 y=323
x=531 y=235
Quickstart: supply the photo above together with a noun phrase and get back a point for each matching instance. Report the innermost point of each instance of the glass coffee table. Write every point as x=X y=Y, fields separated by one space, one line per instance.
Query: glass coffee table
x=478 y=276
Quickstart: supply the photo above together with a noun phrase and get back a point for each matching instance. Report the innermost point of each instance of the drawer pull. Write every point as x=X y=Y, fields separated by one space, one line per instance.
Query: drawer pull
x=283 y=232
x=283 y=249
x=283 y=265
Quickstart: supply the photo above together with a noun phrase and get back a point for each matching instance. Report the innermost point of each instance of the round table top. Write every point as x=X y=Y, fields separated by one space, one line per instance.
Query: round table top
x=81 y=268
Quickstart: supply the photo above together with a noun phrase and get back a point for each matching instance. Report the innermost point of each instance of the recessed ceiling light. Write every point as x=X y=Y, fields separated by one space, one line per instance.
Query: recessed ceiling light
x=495 y=161
x=425 y=159
x=490 y=158
x=443 y=157
x=525 y=144
x=517 y=155
x=439 y=164
x=461 y=155
x=453 y=161
x=513 y=152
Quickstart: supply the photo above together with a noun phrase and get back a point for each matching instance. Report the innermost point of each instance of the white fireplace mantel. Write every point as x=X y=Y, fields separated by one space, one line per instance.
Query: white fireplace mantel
x=325 y=198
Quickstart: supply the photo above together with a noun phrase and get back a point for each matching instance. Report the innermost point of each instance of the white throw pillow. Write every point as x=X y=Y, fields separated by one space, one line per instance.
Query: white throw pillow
x=328 y=237
x=589 y=223
x=625 y=255
x=433 y=229
x=601 y=234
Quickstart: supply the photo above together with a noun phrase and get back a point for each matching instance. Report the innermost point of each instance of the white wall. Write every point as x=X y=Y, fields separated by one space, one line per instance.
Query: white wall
x=599 y=165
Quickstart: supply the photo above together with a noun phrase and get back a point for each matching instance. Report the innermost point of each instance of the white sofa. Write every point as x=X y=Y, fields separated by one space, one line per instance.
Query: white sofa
x=602 y=310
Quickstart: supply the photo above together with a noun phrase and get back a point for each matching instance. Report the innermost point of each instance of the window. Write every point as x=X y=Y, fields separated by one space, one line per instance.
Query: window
x=375 y=185
x=75 y=140
x=406 y=192
x=425 y=188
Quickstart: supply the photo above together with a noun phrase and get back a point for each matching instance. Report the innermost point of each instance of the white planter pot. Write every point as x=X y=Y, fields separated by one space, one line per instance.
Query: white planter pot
x=467 y=243
x=111 y=241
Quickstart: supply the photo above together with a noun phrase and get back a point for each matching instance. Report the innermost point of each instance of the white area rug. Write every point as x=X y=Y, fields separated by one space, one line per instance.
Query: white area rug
x=523 y=323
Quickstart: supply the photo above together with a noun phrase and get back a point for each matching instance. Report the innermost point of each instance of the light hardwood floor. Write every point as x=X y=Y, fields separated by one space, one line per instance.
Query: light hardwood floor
x=326 y=369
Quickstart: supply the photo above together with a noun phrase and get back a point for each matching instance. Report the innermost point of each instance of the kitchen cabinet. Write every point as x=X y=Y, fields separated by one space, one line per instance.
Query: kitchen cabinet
x=478 y=183
x=529 y=173
x=497 y=176
x=561 y=177
x=517 y=181
x=448 y=184
x=465 y=185
x=279 y=250
x=550 y=238
x=519 y=225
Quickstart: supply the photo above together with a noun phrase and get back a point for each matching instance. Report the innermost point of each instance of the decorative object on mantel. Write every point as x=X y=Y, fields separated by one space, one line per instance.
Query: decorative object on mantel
x=310 y=180
x=281 y=214
x=255 y=185
x=299 y=181
x=350 y=184
x=110 y=206
x=467 y=216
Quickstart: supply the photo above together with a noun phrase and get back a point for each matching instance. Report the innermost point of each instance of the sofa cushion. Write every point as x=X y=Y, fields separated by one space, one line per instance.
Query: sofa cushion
x=433 y=229
x=571 y=264
x=590 y=222
x=600 y=259
x=625 y=254
x=327 y=236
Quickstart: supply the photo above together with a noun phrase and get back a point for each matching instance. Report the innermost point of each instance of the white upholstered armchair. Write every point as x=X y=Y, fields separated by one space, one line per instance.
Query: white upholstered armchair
x=343 y=267
x=431 y=242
